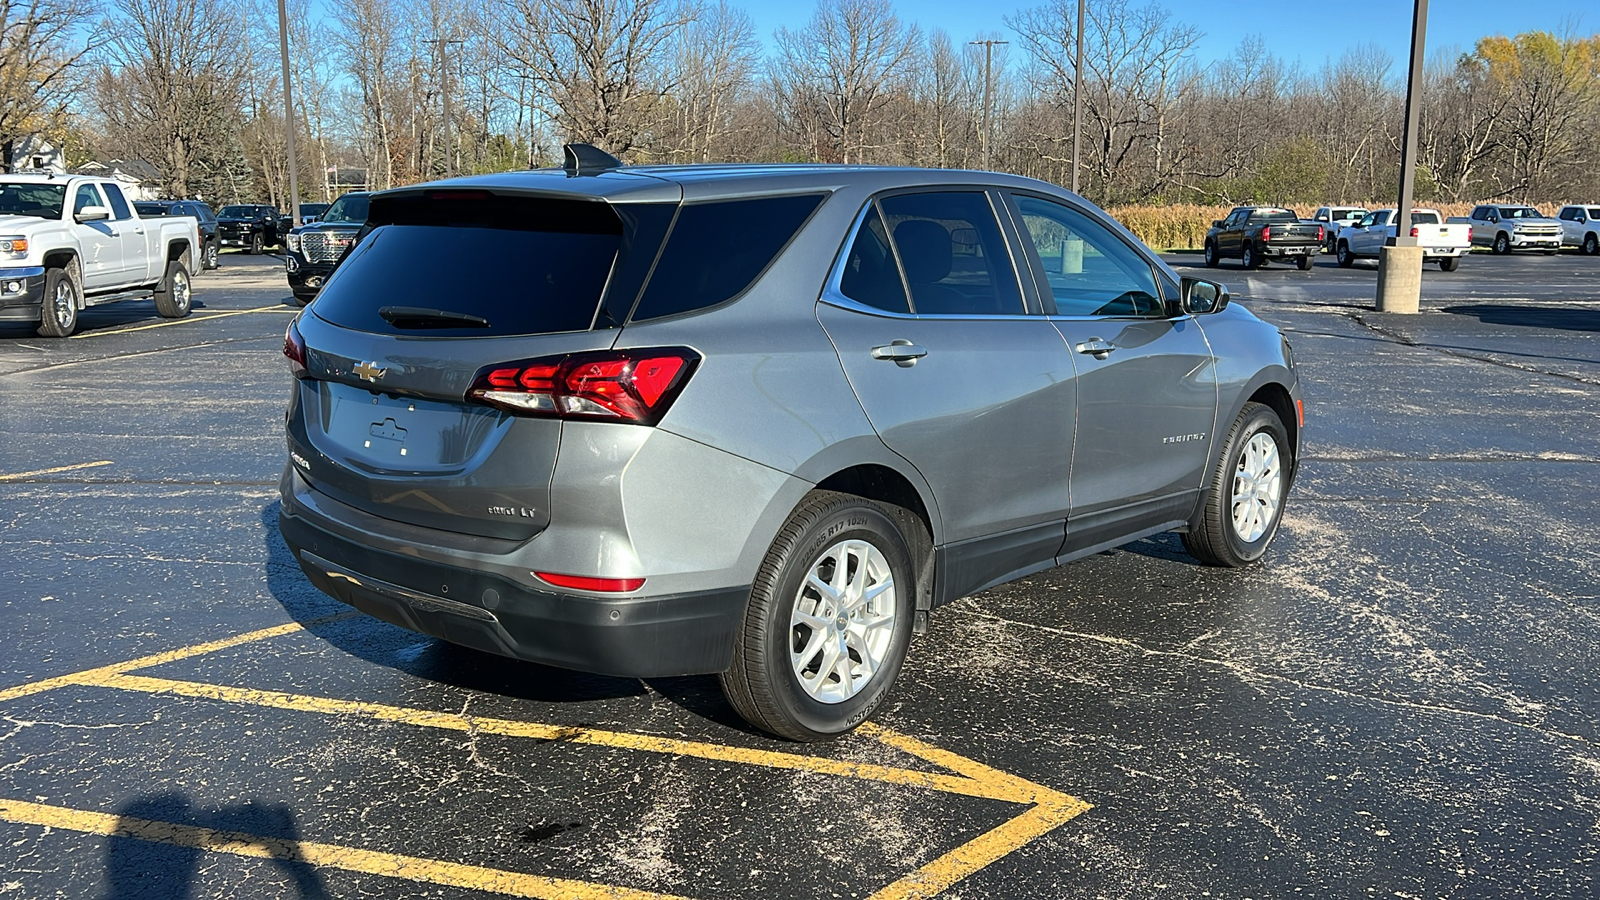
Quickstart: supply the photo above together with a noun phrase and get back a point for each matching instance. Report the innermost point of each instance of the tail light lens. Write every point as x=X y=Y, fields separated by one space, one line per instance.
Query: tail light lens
x=1266 y=232
x=1415 y=231
x=1469 y=234
x=294 y=347
x=1321 y=234
x=634 y=386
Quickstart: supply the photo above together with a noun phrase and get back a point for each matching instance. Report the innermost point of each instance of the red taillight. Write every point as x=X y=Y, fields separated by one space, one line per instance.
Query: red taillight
x=294 y=347
x=619 y=386
x=585 y=583
x=1266 y=232
x=1415 y=231
x=1321 y=235
x=1469 y=234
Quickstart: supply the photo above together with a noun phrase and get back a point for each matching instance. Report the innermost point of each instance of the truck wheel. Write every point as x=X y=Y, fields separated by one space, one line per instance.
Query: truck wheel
x=208 y=259
x=1211 y=255
x=1502 y=244
x=256 y=243
x=1344 y=256
x=1304 y=262
x=58 y=315
x=828 y=623
x=1591 y=244
x=172 y=294
x=1450 y=263
x=1249 y=484
x=1250 y=259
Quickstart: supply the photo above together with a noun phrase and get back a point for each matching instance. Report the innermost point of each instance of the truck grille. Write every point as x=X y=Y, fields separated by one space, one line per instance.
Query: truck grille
x=1539 y=230
x=325 y=246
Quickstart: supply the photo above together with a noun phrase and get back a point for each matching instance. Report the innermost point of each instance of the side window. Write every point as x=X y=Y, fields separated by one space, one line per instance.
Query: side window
x=717 y=250
x=1091 y=271
x=86 y=196
x=871 y=275
x=953 y=254
x=1568 y=213
x=119 y=205
x=1380 y=218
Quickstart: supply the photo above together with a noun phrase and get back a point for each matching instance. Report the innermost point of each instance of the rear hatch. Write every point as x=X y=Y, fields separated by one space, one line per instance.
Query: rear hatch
x=447 y=285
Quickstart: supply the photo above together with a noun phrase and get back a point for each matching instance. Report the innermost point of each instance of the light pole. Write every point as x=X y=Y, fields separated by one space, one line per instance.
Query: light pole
x=988 y=84
x=1400 y=259
x=1077 y=100
x=288 y=117
x=441 y=45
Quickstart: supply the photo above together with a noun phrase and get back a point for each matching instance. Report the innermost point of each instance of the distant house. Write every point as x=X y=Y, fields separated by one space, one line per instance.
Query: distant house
x=139 y=180
x=32 y=154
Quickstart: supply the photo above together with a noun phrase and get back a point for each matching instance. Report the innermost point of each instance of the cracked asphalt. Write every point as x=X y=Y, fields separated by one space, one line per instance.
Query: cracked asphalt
x=1398 y=702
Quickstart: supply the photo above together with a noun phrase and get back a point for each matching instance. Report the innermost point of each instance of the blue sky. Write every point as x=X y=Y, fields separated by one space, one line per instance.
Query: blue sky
x=1307 y=31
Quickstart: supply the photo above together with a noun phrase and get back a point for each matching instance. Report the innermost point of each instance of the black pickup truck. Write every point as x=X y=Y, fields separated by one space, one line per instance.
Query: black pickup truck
x=1255 y=234
x=251 y=227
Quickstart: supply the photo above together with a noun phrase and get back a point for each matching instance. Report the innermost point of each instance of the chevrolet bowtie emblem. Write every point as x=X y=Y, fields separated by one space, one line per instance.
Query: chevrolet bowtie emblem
x=369 y=371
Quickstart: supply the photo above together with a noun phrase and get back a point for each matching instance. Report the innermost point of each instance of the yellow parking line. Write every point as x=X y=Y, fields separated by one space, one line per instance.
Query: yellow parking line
x=184 y=321
x=350 y=859
x=58 y=469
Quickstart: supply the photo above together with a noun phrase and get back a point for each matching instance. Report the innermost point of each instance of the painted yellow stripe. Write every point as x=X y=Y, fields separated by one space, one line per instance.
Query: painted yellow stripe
x=98 y=675
x=940 y=874
x=350 y=859
x=188 y=320
x=57 y=470
x=939 y=781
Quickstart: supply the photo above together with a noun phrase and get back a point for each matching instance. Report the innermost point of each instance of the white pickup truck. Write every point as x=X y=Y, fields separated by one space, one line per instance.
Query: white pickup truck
x=71 y=242
x=1442 y=243
x=1580 y=227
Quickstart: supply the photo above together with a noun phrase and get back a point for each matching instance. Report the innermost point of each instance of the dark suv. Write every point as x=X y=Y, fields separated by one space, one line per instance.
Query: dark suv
x=250 y=227
x=759 y=421
x=210 y=230
x=311 y=251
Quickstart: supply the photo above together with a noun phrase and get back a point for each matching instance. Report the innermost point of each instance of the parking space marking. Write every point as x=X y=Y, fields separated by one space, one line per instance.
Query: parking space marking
x=18 y=476
x=350 y=859
x=186 y=320
x=1048 y=808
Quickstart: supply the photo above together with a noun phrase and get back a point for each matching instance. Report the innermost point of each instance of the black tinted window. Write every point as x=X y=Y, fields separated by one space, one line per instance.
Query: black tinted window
x=351 y=208
x=1274 y=215
x=522 y=282
x=871 y=275
x=152 y=210
x=953 y=255
x=716 y=250
x=119 y=204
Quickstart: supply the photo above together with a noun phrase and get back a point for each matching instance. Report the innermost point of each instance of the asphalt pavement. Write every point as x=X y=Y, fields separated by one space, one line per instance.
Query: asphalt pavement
x=1398 y=702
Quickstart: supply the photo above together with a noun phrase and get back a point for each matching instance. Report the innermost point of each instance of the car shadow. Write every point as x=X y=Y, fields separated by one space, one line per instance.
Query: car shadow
x=159 y=844
x=1559 y=318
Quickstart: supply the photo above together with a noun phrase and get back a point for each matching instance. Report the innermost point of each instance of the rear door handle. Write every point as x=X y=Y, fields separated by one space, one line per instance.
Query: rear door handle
x=1099 y=349
x=904 y=353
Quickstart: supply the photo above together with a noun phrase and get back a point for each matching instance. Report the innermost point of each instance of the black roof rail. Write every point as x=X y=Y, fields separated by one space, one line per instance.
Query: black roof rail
x=587 y=159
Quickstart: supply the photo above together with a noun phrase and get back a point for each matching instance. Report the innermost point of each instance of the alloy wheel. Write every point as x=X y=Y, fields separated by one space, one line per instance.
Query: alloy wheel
x=842 y=621
x=1257 y=487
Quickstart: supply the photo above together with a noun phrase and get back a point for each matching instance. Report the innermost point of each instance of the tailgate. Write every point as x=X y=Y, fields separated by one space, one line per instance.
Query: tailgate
x=1295 y=234
x=1442 y=236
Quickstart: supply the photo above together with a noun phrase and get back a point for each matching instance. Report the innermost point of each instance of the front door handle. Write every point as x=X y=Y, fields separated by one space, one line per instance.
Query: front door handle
x=1099 y=349
x=904 y=353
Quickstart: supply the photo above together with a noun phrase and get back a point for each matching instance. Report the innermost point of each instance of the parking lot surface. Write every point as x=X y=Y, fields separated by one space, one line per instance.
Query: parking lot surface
x=1398 y=702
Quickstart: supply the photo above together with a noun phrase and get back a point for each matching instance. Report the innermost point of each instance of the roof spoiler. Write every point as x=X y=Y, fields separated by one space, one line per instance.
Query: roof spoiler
x=587 y=159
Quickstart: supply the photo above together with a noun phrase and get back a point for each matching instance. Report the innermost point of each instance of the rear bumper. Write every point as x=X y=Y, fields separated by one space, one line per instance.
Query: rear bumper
x=1290 y=250
x=627 y=636
x=21 y=293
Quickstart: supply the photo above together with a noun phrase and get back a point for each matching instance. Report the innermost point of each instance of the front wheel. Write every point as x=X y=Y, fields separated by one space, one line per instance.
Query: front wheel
x=828 y=623
x=208 y=257
x=1450 y=263
x=1211 y=255
x=1502 y=244
x=58 y=316
x=1244 y=503
x=1345 y=257
x=173 y=296
x=257 y=244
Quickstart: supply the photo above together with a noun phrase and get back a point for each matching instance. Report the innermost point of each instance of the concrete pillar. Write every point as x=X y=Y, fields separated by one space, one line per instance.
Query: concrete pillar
x=1399 y=279
x=1072 y=256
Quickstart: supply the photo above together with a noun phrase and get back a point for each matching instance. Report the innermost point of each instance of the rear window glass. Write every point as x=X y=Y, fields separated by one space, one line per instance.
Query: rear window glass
x=716 y=250
x=521 y=266
x=1424 y=218
x=1274 y=215
x=151 y=210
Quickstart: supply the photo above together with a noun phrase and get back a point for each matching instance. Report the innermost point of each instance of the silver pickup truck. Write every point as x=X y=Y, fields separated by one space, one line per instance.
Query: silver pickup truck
x=1580 y=227
x=71 y=242
x=1512 y=226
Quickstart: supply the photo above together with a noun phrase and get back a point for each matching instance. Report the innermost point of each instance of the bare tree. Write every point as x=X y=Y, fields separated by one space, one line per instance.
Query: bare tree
x=713 y=67
x=38 y=48
x=369 y=40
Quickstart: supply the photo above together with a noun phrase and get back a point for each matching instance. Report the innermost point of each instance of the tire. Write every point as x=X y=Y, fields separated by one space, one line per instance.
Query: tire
x=1211 y=255
x=1249 y=258
x=1450 y=263
x=208 y=257
x=58 y=315
x=257 y=243
x=1345 y=258
x=303 y=299
x=1591 y=244
x=1304 y=262
x=799 y=694
x=1239 y=519
x=1502 y=244
x=175 y=294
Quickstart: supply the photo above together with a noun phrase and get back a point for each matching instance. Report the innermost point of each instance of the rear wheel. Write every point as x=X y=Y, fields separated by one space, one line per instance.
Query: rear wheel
x=1502 y=244
x=173 y=295
x=1251 y=258
x=58 y=315
x=828 y=623
x=1591 y=244
x=1245 y=502
x=1345 y=257
x=1450 y=263
x=1304 y=262
x=1211 y=255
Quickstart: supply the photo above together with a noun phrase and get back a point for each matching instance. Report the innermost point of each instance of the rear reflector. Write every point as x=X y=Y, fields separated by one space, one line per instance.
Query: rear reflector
x=585 y=583
x=634 y=386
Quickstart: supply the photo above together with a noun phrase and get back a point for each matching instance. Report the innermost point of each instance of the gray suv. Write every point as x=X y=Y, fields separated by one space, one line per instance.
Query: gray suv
x=759 y=421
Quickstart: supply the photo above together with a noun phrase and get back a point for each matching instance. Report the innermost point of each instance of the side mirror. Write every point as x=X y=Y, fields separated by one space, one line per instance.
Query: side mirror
x=92 y=214
x=1216 y=223
x=1199 y=297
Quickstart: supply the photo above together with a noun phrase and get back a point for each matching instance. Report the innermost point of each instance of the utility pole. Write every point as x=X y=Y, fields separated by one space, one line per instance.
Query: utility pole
x=1400 y=259
x=288 y=117
x=1077 y=101
x=441 y=45
x=988 y=86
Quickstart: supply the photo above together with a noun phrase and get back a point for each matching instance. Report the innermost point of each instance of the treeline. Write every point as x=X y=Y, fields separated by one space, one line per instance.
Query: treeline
x=194 y=88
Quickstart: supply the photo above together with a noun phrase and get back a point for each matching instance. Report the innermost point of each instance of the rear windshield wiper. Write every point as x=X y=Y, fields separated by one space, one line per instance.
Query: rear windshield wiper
x=421 y=317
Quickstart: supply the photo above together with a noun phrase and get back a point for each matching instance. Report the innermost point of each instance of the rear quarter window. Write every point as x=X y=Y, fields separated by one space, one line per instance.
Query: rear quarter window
x=716 y=250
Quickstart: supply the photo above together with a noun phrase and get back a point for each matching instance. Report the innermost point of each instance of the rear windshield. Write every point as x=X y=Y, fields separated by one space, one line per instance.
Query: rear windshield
x=1424 y=218
x=351 y=208
x=1274 y=215
x=237 y=212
